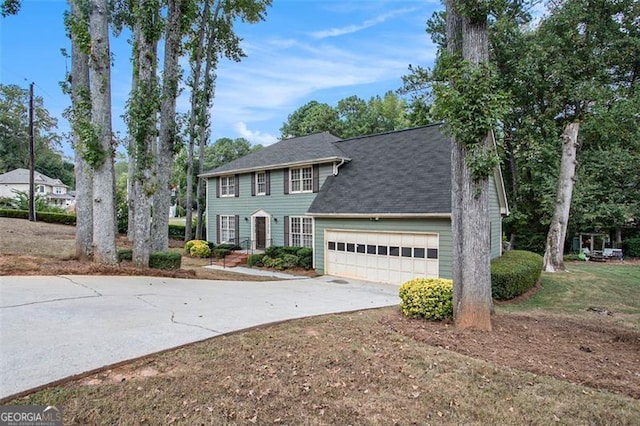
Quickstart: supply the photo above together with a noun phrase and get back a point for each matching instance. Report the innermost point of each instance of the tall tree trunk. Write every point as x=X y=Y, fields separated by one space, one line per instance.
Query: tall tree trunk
x=554 y=251
x=204 y=115
x=131 y=171
x=131 y=146
x=168 y=128
x=84 y=173
x=200 y=195
x=197 y=98
x=143 y=114
x=104 y=238
x=472 y=301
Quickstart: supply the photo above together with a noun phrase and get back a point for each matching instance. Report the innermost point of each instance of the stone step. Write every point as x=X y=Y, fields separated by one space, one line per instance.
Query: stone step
x=233 y=259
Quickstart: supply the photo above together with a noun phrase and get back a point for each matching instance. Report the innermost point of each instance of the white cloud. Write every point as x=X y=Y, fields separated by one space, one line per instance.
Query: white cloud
x=255 y=137
x=349 y=29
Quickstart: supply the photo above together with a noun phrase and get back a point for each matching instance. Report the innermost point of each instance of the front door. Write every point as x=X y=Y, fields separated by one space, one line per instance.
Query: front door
x=261 y=233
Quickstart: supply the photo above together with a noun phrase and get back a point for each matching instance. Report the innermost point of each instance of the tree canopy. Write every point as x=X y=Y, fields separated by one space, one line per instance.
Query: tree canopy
x=14 y=134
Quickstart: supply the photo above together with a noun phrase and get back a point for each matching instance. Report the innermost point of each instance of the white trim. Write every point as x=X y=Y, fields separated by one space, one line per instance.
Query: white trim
x=377 y=216
x=279 y=166
x=497 y=176
x=267 y=232
x=302 y=179
x=302 y=233
x=229 y=178
x=264 y=173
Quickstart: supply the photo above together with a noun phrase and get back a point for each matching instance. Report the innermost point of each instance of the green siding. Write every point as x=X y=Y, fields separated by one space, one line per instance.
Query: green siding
x=278 y=205
x=496 y=220
x=442 y=227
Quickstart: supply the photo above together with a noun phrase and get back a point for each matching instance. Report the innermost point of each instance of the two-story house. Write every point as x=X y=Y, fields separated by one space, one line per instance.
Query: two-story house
x=376 y=208
x=53 y=190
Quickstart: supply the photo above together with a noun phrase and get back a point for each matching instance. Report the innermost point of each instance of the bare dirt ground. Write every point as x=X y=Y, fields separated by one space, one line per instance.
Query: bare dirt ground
x=590 y=349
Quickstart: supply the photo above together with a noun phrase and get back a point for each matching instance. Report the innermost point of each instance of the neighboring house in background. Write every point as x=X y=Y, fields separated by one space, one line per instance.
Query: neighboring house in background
x=376 y=208
x=53 y=190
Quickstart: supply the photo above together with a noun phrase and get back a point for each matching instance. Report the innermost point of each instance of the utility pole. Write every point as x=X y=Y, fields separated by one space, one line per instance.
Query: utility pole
x=32 y=160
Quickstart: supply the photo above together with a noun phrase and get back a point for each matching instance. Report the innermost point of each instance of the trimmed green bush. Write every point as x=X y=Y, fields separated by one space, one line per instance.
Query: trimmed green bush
x=631 y=247
x=305 y=256
x=49 y=217
x=430 y=298
x=176 y=232
x=17 y=214
x=255 y=260
x=270 y=262
x=219 y=253
x=514 y=273
x=125 y=254
x=229 y=246
x=273 y=251
x=289 y=261
x=165 y=260
x=289 y=250
x=200 y=248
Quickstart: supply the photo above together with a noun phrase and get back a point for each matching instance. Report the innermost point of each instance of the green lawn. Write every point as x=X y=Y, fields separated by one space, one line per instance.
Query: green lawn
x=613 y=286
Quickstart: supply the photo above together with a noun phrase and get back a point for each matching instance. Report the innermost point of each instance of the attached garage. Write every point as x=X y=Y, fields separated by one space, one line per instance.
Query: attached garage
x=388 y=257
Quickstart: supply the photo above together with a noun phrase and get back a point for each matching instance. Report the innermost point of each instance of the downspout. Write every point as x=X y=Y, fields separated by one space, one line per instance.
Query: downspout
x=336 y=167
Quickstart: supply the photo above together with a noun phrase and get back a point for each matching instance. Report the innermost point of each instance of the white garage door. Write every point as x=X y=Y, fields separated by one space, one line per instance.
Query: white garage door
x=381 y=257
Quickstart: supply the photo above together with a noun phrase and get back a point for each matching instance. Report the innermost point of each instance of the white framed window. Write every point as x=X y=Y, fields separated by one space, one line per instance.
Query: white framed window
x=261 y=183
x=301 y=179
x=228 y=186
x=57 y=190
x=40 y=189
x=227 y=228
x=301 y=231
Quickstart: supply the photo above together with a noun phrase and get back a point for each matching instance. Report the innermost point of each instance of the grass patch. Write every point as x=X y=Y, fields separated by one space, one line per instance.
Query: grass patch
x=612 y=286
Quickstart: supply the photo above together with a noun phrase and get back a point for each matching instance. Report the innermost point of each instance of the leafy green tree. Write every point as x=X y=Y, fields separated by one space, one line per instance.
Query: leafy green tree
x=313 y=117
x=14 y=134
x=225 y=150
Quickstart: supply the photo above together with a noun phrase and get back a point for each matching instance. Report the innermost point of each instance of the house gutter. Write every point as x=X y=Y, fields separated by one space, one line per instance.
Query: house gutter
x=274 y=166
x=377 y=216
x=337 y=166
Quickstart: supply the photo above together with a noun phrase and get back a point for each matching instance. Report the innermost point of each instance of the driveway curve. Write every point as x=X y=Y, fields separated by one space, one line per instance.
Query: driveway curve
x=53 y=327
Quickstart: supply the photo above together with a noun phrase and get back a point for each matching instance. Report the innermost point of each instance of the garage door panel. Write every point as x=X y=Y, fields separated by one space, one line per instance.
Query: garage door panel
x=381 y=256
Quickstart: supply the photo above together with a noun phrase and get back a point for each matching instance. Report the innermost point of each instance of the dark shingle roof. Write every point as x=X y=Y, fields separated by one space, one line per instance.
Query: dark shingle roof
x=305 y=149
x=404 y=172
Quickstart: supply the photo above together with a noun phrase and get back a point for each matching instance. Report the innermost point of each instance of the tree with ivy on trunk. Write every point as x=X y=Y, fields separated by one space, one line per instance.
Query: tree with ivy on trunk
x=143 y=119
x=470 y=104
x=80 y=118
x=100 y=144
x=179 y=14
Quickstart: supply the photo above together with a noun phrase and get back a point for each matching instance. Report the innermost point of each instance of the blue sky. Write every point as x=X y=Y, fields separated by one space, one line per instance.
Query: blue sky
x=322 y=50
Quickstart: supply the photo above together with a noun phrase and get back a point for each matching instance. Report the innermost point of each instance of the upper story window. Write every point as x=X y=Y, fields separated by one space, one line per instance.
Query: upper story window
x=227 y=186
x=261 y=183
x=40 y=189
x=58 y=190
x=302 y=179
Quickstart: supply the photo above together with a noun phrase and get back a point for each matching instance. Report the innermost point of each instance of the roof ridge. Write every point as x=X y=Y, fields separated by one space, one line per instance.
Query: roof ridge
x=390 y=132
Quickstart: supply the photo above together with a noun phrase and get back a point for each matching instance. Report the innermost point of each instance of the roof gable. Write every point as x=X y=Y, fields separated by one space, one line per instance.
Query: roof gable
x=21 y=176
x=287 y=152
x=402 y=172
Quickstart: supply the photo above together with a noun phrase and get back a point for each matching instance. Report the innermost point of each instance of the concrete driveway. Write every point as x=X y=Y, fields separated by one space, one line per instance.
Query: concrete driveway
x=56 y=327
